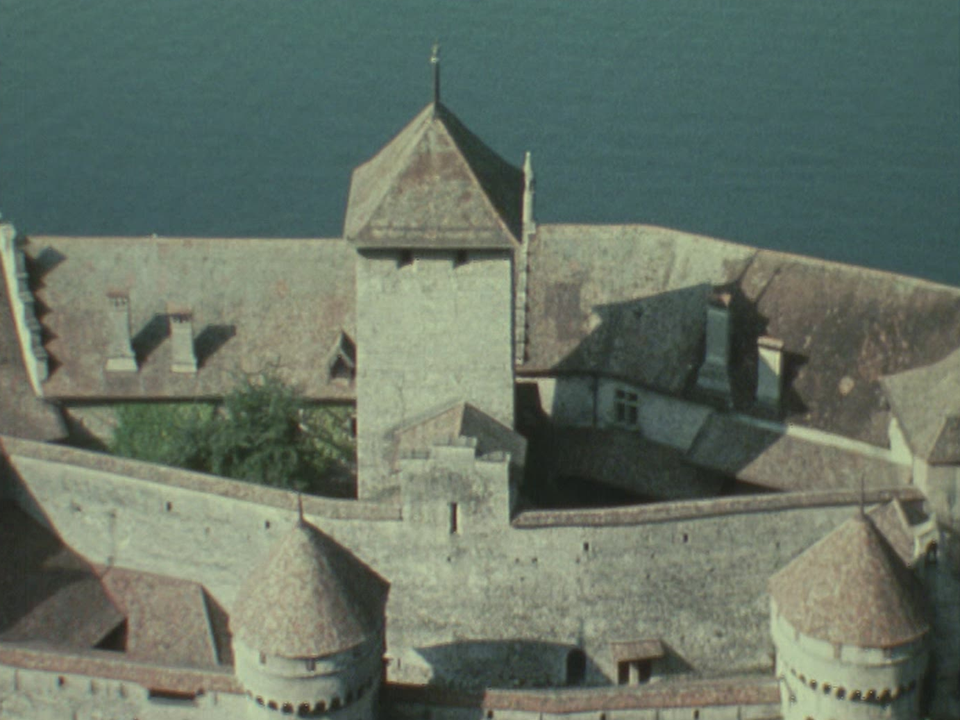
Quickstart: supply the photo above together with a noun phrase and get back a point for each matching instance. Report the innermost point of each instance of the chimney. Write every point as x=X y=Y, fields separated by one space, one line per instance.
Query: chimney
x=714 y=375
x=120 y=357
x=769 y=372
x=529 y=189
x=183 y=358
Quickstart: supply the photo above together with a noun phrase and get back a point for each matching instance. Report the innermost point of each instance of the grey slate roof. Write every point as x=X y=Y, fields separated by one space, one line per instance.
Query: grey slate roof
x=926 y=401
x=435 y=185
x=630 y=302
x=257 y=304
x=308 y=598
x=852 y=588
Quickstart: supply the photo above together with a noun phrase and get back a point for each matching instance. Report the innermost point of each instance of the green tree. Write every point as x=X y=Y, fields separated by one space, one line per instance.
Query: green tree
x=263 y=432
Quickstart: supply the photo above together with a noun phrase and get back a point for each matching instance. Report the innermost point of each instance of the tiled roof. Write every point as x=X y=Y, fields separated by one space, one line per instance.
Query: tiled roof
x=48 y=593
x=891 y=520
x=851 y=588
x=257 y=305
x=21 y=412
x=677 y=693
x=435 y=185
x=309 y=598
x=167 y=621
x=460 y=419
x=926 y=401
x=630 y=302
x=787 y=462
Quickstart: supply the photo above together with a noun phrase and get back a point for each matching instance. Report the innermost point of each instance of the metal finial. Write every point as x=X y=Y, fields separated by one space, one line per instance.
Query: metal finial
x=300 y=520
x=435 y=61
x=863 y=498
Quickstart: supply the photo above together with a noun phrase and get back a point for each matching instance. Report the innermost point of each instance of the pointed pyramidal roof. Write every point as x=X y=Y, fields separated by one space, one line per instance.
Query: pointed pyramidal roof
x=851 y=588
x=436 y=185
x=309 y=598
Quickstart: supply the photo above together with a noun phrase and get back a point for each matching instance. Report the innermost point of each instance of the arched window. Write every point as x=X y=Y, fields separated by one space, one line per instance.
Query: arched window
x=287 y=708
x=855 y=696
x=841 y=693
x=303 y=710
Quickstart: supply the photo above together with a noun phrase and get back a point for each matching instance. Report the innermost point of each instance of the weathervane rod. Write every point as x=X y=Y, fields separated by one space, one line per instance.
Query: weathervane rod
x=435 y=61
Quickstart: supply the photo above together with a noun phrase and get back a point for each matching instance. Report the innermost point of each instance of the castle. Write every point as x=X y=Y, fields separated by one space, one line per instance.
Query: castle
x=786 y=432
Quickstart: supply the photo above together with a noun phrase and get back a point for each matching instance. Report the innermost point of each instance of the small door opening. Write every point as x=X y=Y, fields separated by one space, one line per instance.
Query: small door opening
x=576 y=667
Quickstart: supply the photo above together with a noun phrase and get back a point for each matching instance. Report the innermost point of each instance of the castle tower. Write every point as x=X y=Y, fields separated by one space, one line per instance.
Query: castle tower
x=850 y=629
x=435 y=217
x=308 y=631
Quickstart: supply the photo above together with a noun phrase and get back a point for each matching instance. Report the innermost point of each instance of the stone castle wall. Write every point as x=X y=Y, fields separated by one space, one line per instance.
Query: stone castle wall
x=487 y=606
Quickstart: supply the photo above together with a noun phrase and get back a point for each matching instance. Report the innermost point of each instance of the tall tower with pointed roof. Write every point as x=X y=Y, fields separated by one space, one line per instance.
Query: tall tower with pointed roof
x=308 y=631
x=435 y=217
x=850 y=629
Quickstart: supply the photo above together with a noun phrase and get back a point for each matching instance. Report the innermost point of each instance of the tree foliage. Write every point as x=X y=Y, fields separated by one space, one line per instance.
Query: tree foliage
x=263 y=432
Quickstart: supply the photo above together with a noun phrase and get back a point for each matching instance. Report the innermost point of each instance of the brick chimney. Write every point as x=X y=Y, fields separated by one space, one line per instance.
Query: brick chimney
x=120 y=356
x=183 y=357
x=769 y=372
x=714 y=375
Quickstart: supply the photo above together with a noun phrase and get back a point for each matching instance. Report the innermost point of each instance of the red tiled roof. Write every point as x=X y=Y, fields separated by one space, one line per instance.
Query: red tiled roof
x=309 y=598
x=851 y=588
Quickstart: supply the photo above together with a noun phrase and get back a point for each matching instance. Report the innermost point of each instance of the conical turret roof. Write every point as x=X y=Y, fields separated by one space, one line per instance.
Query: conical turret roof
x=435 y=185
x=309 y=598
x=852 y=588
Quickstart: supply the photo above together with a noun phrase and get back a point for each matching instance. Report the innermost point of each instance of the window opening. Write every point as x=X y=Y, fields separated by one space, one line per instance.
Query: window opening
x=405 y=258
x=461 y=258
x=454 y=518
x=634 y=672
x=626 y=407
x=576 y=667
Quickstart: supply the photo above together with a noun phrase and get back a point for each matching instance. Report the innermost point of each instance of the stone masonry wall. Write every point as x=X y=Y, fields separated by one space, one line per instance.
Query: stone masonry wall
x=462 y=606
x=429 y=333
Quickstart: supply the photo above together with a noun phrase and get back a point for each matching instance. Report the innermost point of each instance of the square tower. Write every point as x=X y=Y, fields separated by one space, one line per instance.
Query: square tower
x=435 y=218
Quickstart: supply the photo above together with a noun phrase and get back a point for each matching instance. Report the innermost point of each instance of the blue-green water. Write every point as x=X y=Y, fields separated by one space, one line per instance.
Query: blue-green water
x=823 y=128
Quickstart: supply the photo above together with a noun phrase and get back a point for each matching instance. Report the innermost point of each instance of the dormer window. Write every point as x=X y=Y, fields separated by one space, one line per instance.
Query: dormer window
x=342 y=360
x=626 y=407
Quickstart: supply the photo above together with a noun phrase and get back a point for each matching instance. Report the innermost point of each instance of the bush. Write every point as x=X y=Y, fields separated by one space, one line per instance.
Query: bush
x=264 y=432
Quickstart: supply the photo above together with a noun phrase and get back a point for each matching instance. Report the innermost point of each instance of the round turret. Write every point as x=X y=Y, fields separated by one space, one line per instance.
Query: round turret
x=308 y=631
x=849 y=625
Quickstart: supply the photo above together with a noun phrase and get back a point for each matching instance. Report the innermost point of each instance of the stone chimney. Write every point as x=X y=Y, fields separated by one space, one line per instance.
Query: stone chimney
x=769 y=372
x=183 y=357
x=120 y=356
x=714 y=375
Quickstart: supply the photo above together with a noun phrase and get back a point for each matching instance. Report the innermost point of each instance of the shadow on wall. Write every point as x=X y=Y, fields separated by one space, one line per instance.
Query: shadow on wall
x=477 y=664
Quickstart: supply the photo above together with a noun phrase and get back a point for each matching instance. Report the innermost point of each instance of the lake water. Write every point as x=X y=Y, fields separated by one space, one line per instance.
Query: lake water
x=824 y=128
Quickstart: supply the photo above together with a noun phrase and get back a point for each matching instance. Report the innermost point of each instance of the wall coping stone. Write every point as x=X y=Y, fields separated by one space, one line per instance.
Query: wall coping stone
x=199 y=482
x=693 y=509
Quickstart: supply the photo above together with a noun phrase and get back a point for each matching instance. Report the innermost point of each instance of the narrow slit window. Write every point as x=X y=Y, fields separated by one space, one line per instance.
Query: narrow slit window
x=454 y=518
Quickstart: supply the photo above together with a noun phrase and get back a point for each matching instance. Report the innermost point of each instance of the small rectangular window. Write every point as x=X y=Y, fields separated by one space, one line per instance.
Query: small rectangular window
x=405 y=258
x=626 y=407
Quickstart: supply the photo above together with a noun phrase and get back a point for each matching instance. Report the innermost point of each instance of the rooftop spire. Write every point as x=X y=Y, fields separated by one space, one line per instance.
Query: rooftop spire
x=863 y=493
x=300 y=520
x=435 y=61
